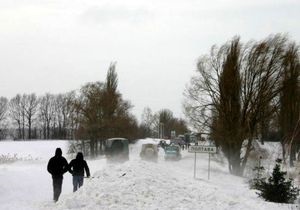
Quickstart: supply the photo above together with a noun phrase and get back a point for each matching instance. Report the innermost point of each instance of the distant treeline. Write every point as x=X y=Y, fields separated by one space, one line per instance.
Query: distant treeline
x=96 y=112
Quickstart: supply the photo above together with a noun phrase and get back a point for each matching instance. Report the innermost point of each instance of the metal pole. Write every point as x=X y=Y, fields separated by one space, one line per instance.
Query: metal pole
x=208 y=165
x=195 y=167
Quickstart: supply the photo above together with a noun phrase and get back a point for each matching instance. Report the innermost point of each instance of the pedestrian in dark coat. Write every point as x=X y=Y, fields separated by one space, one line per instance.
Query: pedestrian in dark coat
x=76 y=168
x=57 y=166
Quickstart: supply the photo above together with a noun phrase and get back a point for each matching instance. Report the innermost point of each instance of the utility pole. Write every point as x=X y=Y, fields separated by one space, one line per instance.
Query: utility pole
x=161 y=130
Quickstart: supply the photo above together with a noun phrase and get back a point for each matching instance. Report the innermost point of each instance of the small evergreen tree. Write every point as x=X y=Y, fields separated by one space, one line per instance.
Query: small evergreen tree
x=277 y=188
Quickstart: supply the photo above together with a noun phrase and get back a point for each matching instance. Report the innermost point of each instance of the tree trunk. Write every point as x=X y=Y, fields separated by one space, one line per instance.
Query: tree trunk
x=92 y=147
x=19 y=131
x=234 y=161
x=23 y=129
x=245 y=158
x=29 y=129
x=292 y=154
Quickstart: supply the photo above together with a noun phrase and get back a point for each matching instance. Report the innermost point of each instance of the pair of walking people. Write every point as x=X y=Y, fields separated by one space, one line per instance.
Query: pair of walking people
x=58 y=165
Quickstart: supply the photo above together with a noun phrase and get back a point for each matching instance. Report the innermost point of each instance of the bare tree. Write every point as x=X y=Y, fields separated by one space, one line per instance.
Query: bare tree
x=90 y=118
x=3 y=108
x=71 y=115
x=289 y=115
x=46 y=113
x=64 y=115
x=30 y=110
x=16 y=114
x=147 y=123
x=23 y=106
x=103 y=113
x=215 y=101
x=3 y=112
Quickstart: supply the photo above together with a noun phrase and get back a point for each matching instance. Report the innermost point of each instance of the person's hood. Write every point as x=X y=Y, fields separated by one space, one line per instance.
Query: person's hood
x=58 y=152
x=79 y=156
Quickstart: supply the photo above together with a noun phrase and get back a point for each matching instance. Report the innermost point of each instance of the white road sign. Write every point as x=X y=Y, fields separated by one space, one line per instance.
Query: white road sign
x=202 y=149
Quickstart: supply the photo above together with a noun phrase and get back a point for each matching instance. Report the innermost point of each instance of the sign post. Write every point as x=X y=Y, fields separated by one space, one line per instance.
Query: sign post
x=195 y=167
x=203 y=149
x=208 y=166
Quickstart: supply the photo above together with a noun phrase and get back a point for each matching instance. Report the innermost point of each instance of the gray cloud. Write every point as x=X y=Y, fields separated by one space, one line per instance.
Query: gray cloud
x=156 y=43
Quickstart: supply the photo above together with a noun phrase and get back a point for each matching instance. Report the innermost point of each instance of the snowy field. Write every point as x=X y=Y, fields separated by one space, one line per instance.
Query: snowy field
x=133 y=185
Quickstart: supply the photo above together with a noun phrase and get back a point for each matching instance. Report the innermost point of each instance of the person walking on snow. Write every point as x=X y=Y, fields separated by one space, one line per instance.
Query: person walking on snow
x=57 y=166
x=76 y=168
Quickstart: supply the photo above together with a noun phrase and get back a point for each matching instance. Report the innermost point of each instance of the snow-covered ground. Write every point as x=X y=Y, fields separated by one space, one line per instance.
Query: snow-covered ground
x=134 y=184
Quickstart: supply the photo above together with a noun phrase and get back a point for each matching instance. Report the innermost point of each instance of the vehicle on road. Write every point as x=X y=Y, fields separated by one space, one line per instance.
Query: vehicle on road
x=149 y=152
x=116 y=149
x=172 y=152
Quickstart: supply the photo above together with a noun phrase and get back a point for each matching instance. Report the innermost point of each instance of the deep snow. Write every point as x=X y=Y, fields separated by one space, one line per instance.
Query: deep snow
x=134 y=184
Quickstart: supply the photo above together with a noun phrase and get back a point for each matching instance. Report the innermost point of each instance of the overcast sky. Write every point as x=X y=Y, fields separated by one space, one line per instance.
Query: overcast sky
x=57 y=46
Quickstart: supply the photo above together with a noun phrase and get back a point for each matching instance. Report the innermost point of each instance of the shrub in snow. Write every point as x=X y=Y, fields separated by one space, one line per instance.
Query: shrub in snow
x=277 y=188
x=8 y=158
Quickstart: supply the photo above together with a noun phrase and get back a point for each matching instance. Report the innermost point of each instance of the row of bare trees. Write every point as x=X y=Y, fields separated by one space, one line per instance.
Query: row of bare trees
x=92 y=114
x=97 y=111
x=30 y=117
x=242 y=91
x=161 y=123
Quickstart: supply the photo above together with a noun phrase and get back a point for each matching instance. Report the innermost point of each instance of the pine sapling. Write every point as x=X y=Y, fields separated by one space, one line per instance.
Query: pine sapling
x=277 y=188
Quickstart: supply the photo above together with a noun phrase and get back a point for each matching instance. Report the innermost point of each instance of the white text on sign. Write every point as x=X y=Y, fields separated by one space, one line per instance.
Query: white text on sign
x=202 y=149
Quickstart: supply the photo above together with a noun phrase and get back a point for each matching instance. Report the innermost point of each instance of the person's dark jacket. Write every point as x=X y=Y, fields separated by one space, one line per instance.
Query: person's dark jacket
x=78 y=165
x=57 y=165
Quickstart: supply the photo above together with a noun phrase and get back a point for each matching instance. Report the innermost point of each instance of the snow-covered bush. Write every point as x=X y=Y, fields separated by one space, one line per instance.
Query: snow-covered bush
x=277 y=189
x=8 y=158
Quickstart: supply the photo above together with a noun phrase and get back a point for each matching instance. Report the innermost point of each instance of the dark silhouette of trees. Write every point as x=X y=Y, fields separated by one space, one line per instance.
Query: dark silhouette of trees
x=289 y=115
x=64 y=116
x=229 y=107
x=103 y=113
x=3 y=108
x=46 y=114
x=23 y=112
x=237 y=88
x=166 y=122
x=3 y=115
x=147 y=126
x=30 y=110
x=160 y=124
x=90 y=116
x=15 y=112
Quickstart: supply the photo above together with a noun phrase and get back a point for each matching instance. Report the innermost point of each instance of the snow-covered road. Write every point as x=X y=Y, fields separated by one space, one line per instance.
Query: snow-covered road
x=145 y=185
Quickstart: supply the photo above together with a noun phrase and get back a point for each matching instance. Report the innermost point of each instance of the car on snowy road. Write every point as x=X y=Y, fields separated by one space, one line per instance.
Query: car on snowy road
x=149 y=152
x=116 y=149
x=172 y=152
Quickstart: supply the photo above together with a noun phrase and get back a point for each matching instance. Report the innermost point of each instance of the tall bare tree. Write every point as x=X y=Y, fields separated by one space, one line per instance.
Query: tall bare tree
x=71 y=115
x=3 y=115
x=103 y=113
x=234 y=84
x=3 y=108
x=64 y=115
x=46 y=113
x=289 y=117
x=90 y=116
x=16 y=114
x=30 y=110
x=147 y=125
